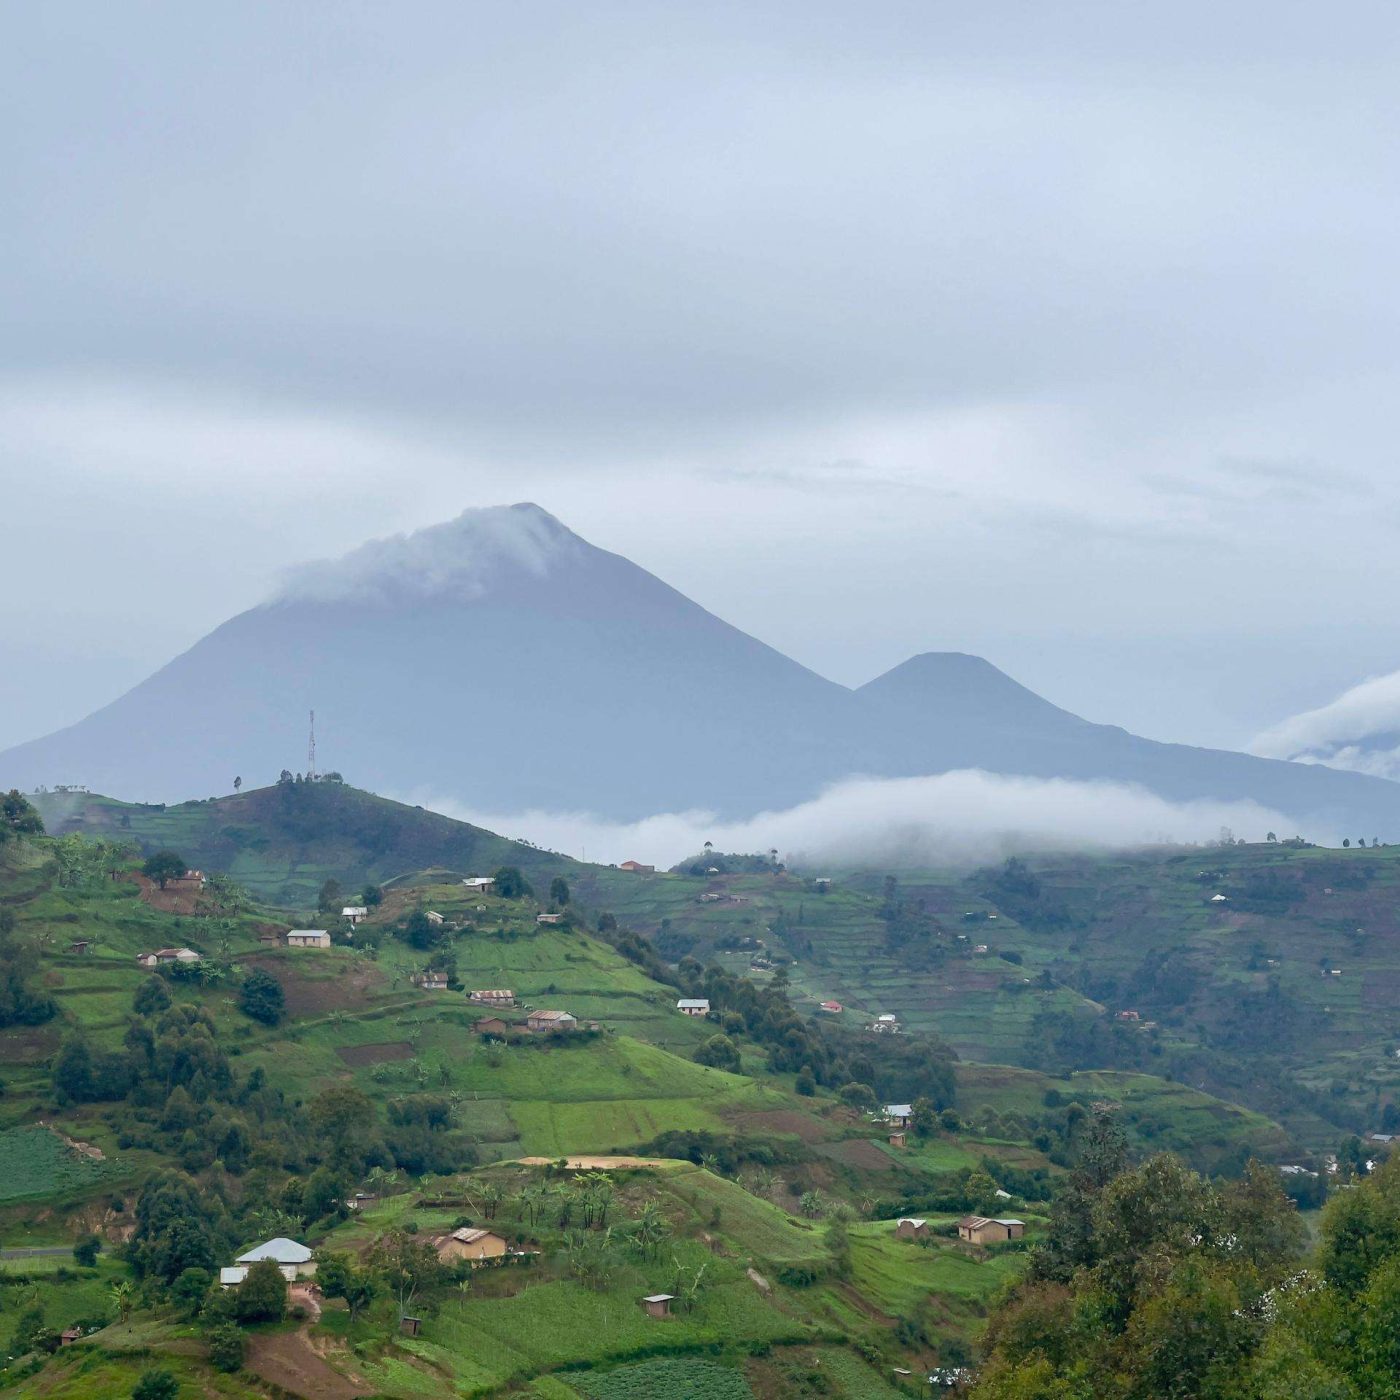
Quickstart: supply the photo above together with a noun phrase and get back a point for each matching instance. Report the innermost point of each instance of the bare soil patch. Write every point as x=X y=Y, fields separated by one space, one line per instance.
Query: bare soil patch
x=313 y=991
x=173 y=900
x=783 y=1120
x=18 y=1047
x=858 y=1152
x=288 y=1360
x=358 y=1056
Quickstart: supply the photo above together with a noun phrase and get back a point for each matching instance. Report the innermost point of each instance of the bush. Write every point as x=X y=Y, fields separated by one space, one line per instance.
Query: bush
x=261 y=997
x=156 y=1384
x=262 y=1296
x=226 y=1347
x=86 y=1251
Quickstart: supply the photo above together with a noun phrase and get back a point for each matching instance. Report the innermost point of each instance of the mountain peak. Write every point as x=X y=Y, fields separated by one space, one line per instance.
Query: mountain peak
x=462 y=559
x=956 y=682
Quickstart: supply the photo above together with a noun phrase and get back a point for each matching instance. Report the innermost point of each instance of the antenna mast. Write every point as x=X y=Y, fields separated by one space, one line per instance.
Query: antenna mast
x=311 y=751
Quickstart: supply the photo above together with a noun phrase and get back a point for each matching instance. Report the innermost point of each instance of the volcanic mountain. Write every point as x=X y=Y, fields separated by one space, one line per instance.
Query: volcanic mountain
x=502 y=661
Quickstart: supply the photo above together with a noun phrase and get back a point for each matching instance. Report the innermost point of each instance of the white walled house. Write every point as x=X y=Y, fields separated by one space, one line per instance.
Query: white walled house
x=308 y=938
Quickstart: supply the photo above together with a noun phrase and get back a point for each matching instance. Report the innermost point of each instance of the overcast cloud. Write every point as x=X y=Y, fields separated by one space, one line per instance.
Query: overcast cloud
x=1064 y=334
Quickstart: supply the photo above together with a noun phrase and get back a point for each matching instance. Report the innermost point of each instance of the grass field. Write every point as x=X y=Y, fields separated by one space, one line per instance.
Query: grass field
x=35 y=1162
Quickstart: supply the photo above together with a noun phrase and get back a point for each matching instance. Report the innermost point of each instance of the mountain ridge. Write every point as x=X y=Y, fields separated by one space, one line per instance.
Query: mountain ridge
x=501 y=661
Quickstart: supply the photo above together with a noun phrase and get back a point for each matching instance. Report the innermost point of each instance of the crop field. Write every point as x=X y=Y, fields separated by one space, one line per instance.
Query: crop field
x=897 y=1275
x=34 y=1162
x=667 y=1378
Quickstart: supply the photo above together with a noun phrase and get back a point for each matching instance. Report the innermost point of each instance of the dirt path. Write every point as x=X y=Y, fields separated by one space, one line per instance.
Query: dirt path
x=288 y=1359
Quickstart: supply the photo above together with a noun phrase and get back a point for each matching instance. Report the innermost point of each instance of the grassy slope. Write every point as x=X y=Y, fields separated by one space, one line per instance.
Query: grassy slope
x=283 y=842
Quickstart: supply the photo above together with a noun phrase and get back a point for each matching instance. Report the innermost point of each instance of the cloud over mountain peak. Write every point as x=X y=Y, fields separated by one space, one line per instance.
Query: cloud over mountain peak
x=461 y=559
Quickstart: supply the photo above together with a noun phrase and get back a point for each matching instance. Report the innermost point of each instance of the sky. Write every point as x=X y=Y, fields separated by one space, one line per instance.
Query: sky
x=1064 y=335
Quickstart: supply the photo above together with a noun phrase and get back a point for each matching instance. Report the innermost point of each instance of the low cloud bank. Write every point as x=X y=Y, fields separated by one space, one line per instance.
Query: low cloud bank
x=955 y=819
x=1359 y=730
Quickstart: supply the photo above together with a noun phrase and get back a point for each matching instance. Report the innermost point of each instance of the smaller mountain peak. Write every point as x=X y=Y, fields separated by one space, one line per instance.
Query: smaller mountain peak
x=464 y=559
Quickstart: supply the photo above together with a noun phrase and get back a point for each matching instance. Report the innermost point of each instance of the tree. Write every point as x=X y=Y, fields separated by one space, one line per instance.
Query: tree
x=123 y=1296
x=860 y=1097
x=262 y=1296
x=344 y=1117
x=152 y=997
x=163 y=867
x=719 y=1052
x=86 y=1250
x=331 y=900
x=406 y=1266
x=18 y=818
x=156 y=1384
x=33 y=1334
x=190 y=1290
x=338 y=1277
x=924 y=1119
x=511 y=884
x=371 y=896
x=226 y=1347
x=419 y=931
x=237 y=784
x=261 y=997
x=559 y=891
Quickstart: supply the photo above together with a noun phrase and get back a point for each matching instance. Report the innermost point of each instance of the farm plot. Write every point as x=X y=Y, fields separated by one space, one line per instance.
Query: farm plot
x=667 y=1378
x=35 y=1162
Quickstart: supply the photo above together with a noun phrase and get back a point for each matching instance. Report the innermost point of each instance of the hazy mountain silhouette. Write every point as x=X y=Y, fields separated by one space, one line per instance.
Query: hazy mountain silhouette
x=501 y=660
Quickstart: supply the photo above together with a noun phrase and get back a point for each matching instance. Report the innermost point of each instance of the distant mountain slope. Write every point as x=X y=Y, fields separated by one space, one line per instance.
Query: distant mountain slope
x=950 y=710
x=502 y=662
x=282 y=842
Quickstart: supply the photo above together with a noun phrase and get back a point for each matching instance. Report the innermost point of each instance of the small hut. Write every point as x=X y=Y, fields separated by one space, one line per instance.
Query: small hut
x=658 y=1304
x=410 y=1326
x=899 y=1138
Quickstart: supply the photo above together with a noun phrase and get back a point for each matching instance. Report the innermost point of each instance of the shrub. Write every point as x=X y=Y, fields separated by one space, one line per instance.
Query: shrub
x=226 y=1347
x=156 y=1384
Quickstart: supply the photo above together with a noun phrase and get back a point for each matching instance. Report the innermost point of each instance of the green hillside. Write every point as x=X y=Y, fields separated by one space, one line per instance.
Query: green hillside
x=1278 y=996
x=255 y=1118
x=282 y=842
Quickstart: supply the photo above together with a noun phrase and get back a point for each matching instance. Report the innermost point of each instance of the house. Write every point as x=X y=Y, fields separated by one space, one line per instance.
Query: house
x=978 y=1229
x=658 y=1304
x=822 y=884
x=899 y=1138
x=432 y=981
x=80 y=945
x=550 y=1021
x=355 y=912
x=308 y=938
x=897 y=1115
x=146 y=960
x=549 y=918
x=980 y=948
x=1383 y=1138
x=693 y=1006
x=410 y=1326
x=480 y=884
x=360 y=1200
x=911 y=1228
x=270 y=940
x=1129 y=1016
x=637 y=868
x=170 y=955
x=473 y=1245
x=1220 y=899
x=711 y=897
x=500 y=997
x=286 y=1254
x=70 y=1335
x=492 y=1025
x=832 y=1008
x=190 y=880
x=434 y=918
x=886 y=1025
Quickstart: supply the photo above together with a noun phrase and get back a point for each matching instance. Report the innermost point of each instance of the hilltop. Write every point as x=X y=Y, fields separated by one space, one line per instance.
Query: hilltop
x=283 y=841
x=501 y=661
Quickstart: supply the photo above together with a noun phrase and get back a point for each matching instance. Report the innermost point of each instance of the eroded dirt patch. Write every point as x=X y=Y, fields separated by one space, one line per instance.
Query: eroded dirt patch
x=312 y=990
x=288 y=1360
